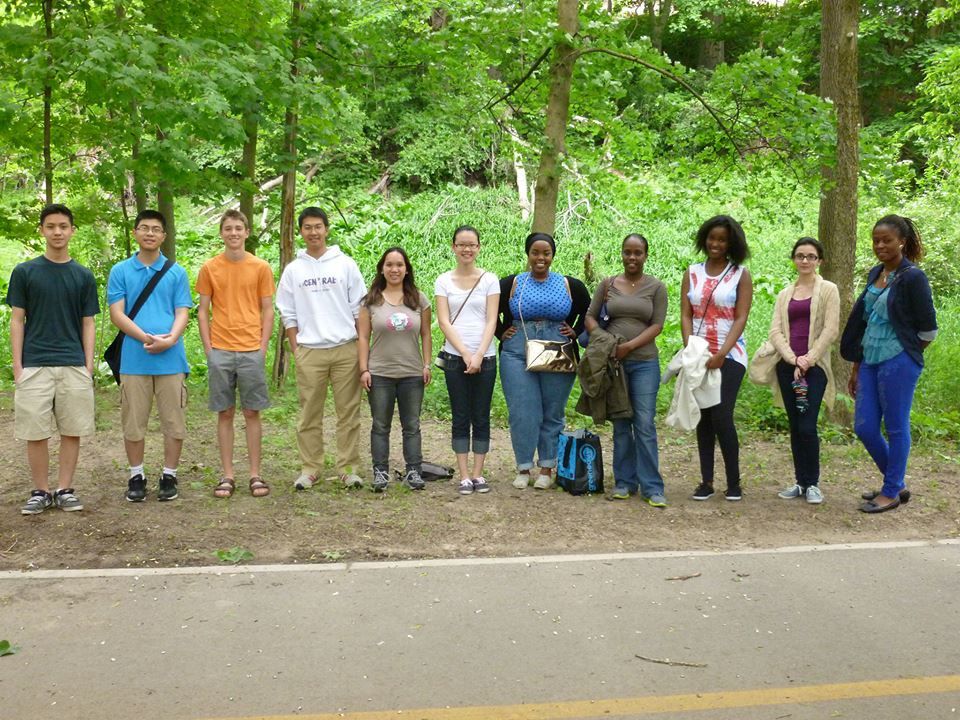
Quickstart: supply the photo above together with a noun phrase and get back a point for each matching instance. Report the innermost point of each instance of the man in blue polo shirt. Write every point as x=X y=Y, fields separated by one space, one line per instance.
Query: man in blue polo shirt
x=153 y=363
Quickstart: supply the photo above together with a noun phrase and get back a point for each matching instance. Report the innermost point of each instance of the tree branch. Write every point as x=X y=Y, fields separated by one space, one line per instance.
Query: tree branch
x=521 y=81
x=674 y=78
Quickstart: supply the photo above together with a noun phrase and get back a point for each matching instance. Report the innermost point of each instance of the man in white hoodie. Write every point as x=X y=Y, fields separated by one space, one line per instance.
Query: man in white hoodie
x=319 y=300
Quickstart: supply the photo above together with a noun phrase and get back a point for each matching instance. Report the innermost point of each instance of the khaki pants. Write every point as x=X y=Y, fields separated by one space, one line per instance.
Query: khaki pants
x=316 y=368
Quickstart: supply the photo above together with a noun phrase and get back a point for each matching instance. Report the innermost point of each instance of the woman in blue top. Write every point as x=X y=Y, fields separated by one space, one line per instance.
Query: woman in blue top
x=890 y=325
x=537 y=304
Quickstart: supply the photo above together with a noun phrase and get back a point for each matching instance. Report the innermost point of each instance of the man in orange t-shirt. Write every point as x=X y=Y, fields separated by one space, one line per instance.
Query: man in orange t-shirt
x=239 y=288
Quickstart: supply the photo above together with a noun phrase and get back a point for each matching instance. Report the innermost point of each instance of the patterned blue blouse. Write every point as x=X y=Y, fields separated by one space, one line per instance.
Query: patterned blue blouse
x=880 y=339
x=542 y=299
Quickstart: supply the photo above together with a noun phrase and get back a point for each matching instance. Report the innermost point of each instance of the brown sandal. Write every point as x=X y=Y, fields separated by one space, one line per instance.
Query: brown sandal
x=258 y=488
x=224 y=488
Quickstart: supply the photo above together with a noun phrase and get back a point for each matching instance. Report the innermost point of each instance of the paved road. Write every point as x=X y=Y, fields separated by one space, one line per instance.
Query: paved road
x=853 y=632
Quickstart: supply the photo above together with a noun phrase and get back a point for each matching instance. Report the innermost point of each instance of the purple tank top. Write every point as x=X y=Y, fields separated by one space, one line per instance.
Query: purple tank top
x=798 y=312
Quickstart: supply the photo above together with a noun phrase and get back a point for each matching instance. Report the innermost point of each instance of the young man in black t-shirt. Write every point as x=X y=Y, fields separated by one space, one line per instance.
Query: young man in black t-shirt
x=52 y=332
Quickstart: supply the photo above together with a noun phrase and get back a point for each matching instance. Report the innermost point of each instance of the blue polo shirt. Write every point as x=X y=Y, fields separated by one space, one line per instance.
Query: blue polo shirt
x=127 y=280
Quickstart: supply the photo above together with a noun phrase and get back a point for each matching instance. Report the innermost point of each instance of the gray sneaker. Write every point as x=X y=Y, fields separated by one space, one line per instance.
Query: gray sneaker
x=466 y=487
x=814 y=496
x=39 y=501
x=794 y=491
x=66 y=500
x=413 y=480
x=480 y=485
x=380 y=480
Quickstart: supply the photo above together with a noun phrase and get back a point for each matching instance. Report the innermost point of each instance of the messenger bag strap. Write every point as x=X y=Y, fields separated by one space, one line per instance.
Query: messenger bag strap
x=145 y=293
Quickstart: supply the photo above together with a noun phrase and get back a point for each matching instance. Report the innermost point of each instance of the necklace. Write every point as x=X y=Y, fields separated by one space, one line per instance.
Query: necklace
x=632 y=283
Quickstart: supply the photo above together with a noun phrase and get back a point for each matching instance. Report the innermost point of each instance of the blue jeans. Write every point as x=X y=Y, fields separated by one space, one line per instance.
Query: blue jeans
x=470 y=397
x=536 y=401
x=407 y=394
x=804 y=439
x=885 y=393
x=636 y=464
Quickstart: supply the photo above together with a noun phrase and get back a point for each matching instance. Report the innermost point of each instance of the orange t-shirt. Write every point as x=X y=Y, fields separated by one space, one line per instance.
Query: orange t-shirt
x=235 y=290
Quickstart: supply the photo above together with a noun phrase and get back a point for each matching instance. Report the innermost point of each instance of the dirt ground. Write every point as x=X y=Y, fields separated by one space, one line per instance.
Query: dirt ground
x=329 y=523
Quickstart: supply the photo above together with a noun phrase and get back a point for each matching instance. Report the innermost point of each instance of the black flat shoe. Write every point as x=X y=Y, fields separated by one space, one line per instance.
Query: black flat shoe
x=871 y=495
x=871 y=507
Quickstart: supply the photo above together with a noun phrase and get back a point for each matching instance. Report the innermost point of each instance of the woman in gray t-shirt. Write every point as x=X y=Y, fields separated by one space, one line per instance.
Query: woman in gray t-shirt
x=393 y=327
x=636 y=307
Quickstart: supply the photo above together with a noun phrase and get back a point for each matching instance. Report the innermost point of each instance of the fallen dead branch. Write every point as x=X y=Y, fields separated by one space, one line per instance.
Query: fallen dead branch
x=668 y=661
x=684 y=577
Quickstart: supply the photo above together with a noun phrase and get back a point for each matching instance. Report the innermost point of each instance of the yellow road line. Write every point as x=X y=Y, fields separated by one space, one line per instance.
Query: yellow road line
x=653 y=704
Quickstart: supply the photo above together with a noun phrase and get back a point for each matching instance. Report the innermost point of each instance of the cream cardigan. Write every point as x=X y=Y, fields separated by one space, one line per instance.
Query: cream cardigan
x=824 y=329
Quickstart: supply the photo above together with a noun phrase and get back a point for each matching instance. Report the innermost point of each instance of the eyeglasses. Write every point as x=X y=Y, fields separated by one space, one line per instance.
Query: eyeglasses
x=808 y=258
x=150 y=229
x=466 y=246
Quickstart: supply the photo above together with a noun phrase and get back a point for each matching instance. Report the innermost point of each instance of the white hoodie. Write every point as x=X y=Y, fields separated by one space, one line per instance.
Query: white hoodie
x=321 y=298
x=696 y=386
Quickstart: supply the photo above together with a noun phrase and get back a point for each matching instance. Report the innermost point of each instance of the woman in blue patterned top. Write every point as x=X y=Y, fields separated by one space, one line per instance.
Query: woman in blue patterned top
x=890 y=325
x=537 y=305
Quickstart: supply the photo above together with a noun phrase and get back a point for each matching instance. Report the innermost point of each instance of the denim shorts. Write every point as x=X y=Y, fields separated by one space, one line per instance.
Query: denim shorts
x=228 y=370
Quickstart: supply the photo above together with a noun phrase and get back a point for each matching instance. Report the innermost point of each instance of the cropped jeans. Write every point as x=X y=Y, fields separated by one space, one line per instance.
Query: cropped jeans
x=407 y=394
x=470 y=397
x=536 y=401
x=636 y=464
x=885 y=394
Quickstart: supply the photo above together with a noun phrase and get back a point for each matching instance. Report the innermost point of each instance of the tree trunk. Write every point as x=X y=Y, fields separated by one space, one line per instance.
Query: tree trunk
x=165 y=207
x=558 y=110
x=251 y=126
x=288 y=192
x=712 y=49
x=47 y=103
x=838 y=203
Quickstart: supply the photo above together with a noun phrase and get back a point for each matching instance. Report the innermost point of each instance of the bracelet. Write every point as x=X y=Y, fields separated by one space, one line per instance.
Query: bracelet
x=364 y=371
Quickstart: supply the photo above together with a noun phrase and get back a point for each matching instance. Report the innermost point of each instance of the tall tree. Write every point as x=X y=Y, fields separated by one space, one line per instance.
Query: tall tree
x=838 y=203
x=558 y=111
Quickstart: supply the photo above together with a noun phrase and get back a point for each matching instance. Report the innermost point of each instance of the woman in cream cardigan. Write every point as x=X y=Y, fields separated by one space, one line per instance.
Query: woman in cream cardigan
x=805 y=323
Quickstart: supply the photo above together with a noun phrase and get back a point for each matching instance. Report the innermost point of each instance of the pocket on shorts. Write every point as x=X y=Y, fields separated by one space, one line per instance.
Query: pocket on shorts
x=26 y=374
x=183 y=394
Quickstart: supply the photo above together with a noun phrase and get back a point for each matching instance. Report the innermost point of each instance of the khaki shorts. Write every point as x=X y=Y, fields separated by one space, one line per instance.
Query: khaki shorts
x=136 y=399
x=52 y=399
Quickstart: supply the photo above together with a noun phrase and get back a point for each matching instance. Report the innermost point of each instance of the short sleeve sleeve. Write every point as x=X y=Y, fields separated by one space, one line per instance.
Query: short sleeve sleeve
x=116 y=287
x=267 y=288
x=660 y=305
x=491 y=285
x=204 y=286
x=16 y=292
x=91 y=299
x=424 y=302
x=440 y=286
x=183 y=296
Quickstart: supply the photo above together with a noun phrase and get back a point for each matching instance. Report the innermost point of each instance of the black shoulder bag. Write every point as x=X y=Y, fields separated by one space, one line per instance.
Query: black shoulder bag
x=112 y=354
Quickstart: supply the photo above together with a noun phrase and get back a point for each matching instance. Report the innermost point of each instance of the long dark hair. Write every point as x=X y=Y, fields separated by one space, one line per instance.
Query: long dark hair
x=411 y=294
x=907 y=230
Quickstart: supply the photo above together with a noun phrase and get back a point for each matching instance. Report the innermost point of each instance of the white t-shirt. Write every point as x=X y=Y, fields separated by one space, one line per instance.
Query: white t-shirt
x=473 y=318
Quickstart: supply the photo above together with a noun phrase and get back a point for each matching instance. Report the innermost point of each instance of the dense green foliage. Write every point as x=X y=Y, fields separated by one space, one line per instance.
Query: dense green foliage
x=440 y=106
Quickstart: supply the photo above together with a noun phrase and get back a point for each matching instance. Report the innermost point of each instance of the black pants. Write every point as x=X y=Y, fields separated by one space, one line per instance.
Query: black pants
x=804 y=440
x=470 y=398
x=716 y=424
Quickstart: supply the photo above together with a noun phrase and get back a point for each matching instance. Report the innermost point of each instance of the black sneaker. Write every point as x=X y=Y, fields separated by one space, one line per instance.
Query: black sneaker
x=733 y=493
x=137 y=489
x=167 y=489
x=39 y=501
x=704 y=491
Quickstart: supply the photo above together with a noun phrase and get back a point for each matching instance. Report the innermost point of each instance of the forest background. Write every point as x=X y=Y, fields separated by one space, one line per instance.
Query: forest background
x=406 y=119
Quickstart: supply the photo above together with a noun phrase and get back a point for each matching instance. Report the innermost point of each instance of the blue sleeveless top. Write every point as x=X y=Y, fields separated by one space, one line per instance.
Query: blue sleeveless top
x=542 y=299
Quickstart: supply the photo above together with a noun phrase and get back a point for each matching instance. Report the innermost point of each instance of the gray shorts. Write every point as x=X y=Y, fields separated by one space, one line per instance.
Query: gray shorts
x=228 y=370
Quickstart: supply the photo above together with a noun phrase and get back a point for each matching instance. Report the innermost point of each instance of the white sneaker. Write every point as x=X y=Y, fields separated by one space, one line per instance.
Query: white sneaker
x=521 y=480
x=814 y=496
x=304 y=482
x=543 y=482
x=350 y=480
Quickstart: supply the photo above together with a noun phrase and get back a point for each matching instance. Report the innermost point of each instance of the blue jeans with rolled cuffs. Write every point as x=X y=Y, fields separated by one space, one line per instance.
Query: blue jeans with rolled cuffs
x=470 y=398
x=536 y=401
x=636 y=464
x=885 y=394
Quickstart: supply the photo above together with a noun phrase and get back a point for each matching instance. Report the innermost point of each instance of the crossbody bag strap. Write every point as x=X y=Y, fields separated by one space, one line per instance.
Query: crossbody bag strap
x=706 y=305
x=145 y=293
x=466 y=299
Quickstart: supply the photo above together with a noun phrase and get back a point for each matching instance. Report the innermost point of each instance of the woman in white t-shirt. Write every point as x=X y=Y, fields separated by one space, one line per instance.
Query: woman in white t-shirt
x=393 y=326
x=467 y=301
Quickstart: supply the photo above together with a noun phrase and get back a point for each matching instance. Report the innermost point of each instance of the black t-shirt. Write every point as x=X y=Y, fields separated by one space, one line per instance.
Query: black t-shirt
x=56 y=297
